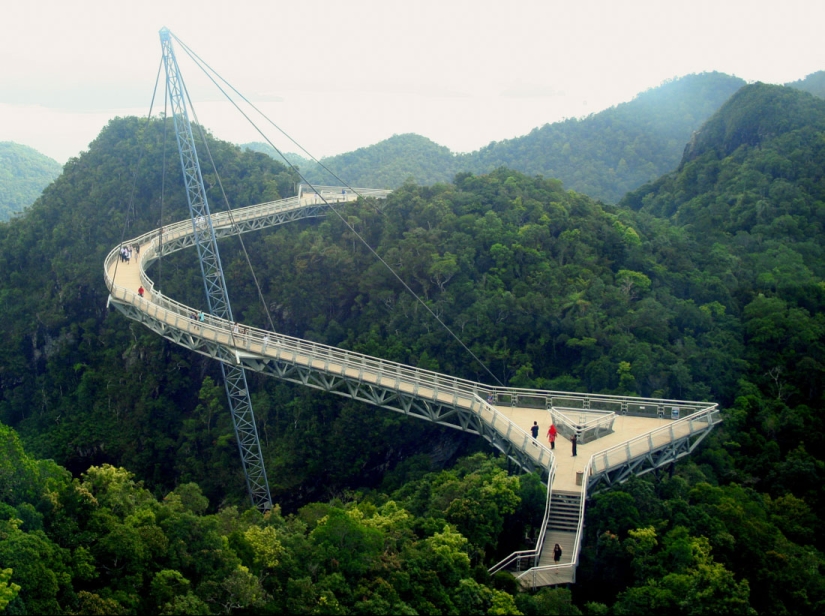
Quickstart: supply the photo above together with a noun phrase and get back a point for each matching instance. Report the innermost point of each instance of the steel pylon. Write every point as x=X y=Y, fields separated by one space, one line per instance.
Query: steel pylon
x=217 y=298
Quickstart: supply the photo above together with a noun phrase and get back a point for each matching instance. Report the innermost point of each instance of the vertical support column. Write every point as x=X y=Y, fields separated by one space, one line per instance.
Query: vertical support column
x=217 y=297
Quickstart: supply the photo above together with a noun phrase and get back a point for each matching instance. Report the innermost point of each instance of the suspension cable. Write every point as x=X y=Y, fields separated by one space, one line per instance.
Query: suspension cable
x=203 y=65
x=131 y=203
x=230 y=212
x=196 y=59
x=162 y=188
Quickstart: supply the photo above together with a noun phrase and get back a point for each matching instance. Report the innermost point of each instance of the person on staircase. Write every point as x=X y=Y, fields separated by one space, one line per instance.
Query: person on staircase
x=557 y=554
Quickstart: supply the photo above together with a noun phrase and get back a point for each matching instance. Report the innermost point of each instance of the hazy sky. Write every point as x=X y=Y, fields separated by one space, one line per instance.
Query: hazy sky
x=342 y=75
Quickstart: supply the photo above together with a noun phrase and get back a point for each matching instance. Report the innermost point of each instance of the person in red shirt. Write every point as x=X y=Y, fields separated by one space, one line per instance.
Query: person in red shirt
x=551 y=436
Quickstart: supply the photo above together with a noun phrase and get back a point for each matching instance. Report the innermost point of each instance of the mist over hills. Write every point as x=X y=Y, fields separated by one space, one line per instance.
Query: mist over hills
x=813 y=83
x=24 y=173
x=603 y=155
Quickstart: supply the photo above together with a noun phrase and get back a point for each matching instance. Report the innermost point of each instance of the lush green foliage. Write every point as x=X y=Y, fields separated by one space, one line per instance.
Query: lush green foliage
x=707 y=283
x=609 y=153
x=104 y=544
x=24 y=173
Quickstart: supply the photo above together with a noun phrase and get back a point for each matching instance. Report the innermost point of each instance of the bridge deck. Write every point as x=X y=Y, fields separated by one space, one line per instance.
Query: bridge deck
x=625 y=428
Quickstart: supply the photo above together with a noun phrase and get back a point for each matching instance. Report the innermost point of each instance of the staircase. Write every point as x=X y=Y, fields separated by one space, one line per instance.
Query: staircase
x=562 y=525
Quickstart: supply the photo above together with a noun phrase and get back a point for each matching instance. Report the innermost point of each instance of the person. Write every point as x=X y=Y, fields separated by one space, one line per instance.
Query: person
x=557 y=554
x=266 y=342
x=490 y=399
x=236 y=329
x=551 y=435
x=573 y=441
x=141 y=290
x=535 y=430
x=201 y=316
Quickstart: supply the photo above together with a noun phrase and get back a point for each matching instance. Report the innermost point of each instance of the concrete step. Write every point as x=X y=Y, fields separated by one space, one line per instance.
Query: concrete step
x=565 y=539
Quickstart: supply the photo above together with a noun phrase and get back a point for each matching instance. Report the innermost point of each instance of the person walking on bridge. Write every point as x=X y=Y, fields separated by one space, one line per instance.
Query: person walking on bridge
x=551 y=435
x=573 y=441
x=535 y=430
x=557 y=554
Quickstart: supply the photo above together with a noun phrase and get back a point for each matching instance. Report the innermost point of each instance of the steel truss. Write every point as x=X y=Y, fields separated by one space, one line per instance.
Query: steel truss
x=651 y=461
x=217 y=297
x=451 y=415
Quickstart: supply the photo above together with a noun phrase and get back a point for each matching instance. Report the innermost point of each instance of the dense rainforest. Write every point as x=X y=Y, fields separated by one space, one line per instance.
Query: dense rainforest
x=120 y=486
x=24 y=173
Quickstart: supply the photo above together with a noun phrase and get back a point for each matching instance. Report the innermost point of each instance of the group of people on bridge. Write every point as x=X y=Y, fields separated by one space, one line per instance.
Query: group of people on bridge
x=552 y=433
x=127 y=251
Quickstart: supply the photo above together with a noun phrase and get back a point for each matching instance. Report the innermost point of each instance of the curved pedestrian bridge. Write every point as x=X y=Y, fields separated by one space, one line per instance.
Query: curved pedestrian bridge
x=617 y=436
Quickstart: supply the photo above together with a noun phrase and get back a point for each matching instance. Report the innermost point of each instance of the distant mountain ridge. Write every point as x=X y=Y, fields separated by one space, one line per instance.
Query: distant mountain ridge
x=813 y=83
x=754 y=172
x=24 y=173
x=603 y=155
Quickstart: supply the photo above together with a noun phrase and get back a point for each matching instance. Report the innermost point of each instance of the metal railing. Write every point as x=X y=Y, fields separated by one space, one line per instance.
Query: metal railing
x=534 y=553
x=572 y=565
x=400 y=377
x=591 y=424
x=646 y=443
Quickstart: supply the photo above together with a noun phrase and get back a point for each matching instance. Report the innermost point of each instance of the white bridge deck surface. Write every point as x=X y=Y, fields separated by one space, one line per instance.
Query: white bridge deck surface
x=625 y=428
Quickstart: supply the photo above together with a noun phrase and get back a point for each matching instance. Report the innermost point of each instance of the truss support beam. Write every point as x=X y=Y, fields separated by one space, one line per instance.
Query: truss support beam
x=217 y=297
x=451 y=415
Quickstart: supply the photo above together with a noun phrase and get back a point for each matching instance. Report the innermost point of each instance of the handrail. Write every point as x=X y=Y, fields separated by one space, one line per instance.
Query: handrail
x=536 y=551
x=175 y=230
x=560 y=418
x=266 y=343
x=627 y=446
x=253 y=338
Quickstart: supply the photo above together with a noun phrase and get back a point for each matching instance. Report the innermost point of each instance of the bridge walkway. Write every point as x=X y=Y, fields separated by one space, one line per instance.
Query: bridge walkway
x=620 y=444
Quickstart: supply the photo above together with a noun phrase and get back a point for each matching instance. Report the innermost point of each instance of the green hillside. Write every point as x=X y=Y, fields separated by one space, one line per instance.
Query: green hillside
x=609 y=153
x=813 y=83
x=264 y=148
x=389 y=163
x=24 y=173
x=603 y=155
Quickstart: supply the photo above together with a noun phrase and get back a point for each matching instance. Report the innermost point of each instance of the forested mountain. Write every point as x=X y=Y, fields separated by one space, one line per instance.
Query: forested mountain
x=389 y=163
x=813 y=83
x=24 y=173
x=705 y=284
x=264 y=148
x=603 y=155
x=609 y=153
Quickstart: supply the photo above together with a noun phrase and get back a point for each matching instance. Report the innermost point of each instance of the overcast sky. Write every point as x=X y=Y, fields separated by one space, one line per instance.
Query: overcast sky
x=346 y=74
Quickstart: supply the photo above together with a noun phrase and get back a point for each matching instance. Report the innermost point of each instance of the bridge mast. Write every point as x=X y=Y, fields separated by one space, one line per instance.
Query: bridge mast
x=214 y=282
